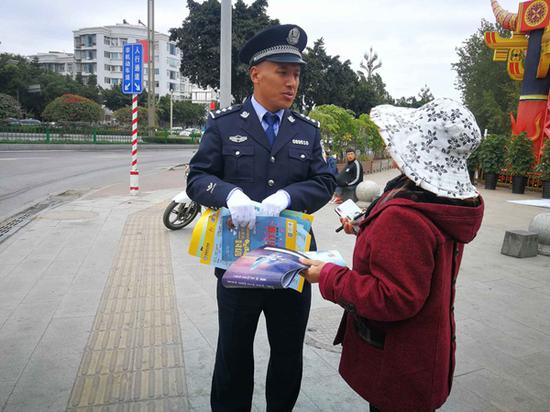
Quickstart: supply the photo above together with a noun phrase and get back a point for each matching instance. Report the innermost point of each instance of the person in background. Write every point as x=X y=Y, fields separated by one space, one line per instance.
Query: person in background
x=398 y=329
x=331 y=162
x=261 y=151
x=348 y=179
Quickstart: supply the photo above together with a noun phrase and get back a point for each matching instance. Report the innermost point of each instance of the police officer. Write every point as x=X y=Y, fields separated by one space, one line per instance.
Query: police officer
x=262 y=151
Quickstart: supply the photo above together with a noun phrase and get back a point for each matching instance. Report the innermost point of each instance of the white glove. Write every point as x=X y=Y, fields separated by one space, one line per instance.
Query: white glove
x=242 y=209
x=273 y=205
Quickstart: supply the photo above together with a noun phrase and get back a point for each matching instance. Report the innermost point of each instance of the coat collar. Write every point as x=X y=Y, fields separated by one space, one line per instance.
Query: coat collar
x=251 y=124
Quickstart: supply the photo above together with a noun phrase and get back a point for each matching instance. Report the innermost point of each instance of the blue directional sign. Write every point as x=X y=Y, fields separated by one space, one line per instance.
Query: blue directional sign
x=132 y=68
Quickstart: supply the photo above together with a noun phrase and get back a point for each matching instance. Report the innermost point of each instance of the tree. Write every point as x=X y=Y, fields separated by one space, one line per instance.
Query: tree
x=339 y=128
x=325 y=79
x=114 y=99
x=123 y=117
x=72 y=108
x=486 y=88
x=424 y=96
x=17 y=73
x=199 y=41
x=185 y=113
x=9 y=107
x=370 y=64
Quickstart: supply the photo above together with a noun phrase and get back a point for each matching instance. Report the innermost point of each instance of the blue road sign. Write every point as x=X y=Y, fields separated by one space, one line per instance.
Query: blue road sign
x=132 y=68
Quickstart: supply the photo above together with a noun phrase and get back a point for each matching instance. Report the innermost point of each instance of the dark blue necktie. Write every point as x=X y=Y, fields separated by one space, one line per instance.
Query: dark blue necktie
x=271 y=119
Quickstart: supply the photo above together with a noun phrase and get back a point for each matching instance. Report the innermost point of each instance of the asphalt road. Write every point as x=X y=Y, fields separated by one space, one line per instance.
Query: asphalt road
x=28 y=177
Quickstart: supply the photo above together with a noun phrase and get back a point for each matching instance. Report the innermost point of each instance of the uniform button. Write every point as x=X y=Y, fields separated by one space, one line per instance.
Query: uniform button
x=302 y=156
x=270 y=182
x=237 y=153
x=272 y=160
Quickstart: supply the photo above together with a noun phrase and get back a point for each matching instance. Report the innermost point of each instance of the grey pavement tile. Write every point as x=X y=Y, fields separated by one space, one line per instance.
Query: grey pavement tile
x=509 y=340
x=199 y=365
x=47 y=380
x=6 y=387
x=192 y=337
x=332 y=394
x=89 y=279
x=79 y=303
x=64 y=266
x=6 y=268
x=49 y=288
x=461 y=399
x=501 y=392
x=315 y=365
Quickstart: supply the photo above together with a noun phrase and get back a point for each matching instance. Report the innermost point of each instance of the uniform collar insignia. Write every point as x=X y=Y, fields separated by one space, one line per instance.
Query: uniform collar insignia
x=291 y=119
x=245 y=114
x=238 y=138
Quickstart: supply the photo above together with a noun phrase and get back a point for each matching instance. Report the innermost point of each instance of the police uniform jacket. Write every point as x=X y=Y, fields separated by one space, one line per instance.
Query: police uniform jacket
x=235 y=153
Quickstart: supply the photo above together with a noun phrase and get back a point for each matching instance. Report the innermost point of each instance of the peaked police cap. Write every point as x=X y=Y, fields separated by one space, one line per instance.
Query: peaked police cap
x=281 y=44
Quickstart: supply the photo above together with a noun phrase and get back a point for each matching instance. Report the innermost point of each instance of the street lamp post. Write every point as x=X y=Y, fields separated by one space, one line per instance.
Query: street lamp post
x=225 y=54
x=171 y=109
x=151 y=66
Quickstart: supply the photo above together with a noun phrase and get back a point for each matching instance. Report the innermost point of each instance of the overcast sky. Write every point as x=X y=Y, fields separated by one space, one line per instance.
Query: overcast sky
x=415 y=39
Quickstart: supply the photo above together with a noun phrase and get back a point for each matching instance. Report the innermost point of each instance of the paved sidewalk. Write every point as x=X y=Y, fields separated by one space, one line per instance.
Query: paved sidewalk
x=101 y=308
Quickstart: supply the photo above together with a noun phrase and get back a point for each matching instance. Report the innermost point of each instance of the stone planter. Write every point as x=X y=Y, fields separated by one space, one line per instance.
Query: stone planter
x=541 y=226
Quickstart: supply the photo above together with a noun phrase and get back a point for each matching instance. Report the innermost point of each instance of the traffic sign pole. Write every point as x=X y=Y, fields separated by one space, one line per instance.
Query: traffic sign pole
x=134 y=173
x=131 y=84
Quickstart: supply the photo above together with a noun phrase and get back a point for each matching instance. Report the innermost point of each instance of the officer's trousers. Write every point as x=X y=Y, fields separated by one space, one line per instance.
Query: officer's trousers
x=286 y=313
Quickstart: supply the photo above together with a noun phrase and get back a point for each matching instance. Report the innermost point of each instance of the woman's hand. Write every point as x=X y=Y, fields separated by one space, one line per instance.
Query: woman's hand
x=350 y=227
x=313 y=273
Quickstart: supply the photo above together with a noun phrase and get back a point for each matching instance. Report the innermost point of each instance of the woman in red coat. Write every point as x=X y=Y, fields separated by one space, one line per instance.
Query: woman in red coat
x=398 y=329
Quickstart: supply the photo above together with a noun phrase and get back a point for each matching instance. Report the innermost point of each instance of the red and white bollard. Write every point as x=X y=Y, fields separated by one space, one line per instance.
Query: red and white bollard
x=134 y=173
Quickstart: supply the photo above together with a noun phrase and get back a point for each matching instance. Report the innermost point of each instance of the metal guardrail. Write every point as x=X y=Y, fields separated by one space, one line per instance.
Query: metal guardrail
x=93 y=135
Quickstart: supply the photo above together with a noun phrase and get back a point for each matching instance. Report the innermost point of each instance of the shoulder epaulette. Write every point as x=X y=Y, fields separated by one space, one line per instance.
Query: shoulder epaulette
x=307 y=119
x=222 y=112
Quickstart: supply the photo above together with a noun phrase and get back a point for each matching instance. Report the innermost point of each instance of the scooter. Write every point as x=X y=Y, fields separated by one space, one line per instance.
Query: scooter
x=180 y=212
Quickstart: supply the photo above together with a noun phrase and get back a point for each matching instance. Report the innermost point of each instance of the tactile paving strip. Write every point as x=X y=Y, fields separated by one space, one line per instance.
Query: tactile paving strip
x=133 y=360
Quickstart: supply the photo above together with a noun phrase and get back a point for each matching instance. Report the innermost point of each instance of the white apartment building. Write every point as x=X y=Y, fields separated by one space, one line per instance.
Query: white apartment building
x=98 y=51
x=57 y=62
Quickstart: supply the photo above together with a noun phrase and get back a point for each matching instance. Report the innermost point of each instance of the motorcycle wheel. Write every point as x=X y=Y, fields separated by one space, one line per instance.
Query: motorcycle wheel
x=179 y=215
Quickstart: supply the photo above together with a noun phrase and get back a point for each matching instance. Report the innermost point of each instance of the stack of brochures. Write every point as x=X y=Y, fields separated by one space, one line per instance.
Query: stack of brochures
x=264 y=257
x=273 y=268
x=217 y=242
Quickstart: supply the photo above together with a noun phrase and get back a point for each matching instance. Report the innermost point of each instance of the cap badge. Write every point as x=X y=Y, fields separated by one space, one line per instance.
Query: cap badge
x=293 y=36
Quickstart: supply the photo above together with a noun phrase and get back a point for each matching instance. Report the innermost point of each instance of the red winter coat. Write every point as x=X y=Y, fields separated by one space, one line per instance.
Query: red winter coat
x=398 y=332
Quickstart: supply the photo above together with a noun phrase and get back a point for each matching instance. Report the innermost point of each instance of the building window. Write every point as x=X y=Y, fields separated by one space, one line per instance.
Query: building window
x=172 y=49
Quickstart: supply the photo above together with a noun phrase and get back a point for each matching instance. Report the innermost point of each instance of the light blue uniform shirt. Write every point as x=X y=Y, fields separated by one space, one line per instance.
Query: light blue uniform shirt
x=260 y=111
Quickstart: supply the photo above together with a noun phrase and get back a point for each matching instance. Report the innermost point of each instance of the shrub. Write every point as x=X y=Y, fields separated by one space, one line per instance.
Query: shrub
x=544 y=165
x=492 y=153
x=520 y=155
x=9 y=107
x=71 y=108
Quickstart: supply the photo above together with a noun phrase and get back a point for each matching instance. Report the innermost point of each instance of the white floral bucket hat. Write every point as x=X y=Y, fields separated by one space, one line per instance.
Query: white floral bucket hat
x=431 y=144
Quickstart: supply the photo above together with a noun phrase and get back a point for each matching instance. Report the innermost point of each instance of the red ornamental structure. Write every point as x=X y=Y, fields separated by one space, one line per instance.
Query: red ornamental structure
x=527 y=53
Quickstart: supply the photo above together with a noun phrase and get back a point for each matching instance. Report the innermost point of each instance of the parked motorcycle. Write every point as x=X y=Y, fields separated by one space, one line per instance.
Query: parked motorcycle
x=180 y=212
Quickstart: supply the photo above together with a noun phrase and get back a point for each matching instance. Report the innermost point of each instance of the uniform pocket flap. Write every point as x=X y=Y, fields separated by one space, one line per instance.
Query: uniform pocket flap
x=299 y=154
x=238 y=150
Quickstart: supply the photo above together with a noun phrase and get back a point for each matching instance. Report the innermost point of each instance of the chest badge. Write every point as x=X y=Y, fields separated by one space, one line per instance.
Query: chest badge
x=300 y=142
x=238 y=139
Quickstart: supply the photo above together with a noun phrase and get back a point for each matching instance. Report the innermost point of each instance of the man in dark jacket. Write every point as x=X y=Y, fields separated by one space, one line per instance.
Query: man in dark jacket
x=348 y=179
x=262 y=151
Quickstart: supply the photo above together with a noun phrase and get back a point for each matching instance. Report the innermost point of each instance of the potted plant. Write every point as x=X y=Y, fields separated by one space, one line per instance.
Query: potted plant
x=492 y=153
x=544 y=168
x=520 y=158
x=473 y=164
